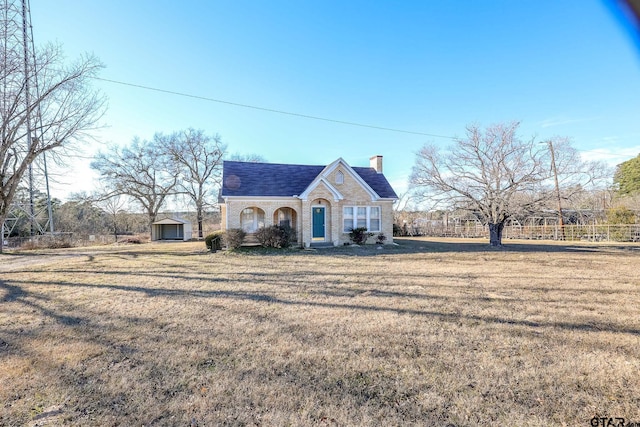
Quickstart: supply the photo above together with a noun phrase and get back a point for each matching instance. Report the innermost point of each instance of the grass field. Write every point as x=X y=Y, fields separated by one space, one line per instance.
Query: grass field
x=430 y=332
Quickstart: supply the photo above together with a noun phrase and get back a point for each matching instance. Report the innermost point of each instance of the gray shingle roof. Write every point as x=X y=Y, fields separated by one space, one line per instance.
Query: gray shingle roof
x=377 y=182
x=273 y=179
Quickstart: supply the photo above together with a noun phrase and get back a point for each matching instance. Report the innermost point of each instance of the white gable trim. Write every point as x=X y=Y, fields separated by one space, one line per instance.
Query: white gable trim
x=349 y=170
x=337 y=196
x=170 y=221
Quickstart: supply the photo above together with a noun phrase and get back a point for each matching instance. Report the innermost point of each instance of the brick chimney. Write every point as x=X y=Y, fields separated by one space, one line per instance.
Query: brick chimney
x=376 y=163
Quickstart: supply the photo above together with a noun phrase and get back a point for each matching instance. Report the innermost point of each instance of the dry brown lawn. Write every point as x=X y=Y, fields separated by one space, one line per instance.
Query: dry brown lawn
x=431 y=332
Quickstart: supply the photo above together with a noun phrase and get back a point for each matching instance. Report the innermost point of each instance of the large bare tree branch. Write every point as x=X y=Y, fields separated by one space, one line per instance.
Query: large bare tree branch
x=200 y=159
x=498 y=174
x=59 y=110
x=142 y=171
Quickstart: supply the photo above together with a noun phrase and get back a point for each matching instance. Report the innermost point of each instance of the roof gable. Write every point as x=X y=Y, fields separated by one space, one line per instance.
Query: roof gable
x=344 y=166
x=377 y=182
x=337 y=196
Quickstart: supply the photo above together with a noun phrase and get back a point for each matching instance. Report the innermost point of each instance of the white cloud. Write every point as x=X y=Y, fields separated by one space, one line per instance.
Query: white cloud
x=560 y=121
x=610 y=155
x=399 y=185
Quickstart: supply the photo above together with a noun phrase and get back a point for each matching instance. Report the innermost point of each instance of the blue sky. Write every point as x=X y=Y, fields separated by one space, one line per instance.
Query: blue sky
x=562 y=68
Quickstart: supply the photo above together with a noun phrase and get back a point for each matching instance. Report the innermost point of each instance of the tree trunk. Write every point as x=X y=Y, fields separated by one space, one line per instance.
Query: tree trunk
x=151 y=221
x=495 y=233
x=2 y=218
x=199 y=215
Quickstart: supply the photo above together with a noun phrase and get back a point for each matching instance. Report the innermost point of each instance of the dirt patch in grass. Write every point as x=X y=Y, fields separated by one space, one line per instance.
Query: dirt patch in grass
x=429 y=332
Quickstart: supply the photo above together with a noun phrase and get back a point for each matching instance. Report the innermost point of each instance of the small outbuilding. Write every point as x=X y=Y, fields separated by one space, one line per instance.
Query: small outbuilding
x=171 y=229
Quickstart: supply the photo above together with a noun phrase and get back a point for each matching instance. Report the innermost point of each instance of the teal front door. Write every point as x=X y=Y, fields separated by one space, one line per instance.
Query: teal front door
x=318 y=222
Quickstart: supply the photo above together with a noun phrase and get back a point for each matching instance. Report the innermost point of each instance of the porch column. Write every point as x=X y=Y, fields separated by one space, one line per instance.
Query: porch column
x=336 y=223
x=305 y=226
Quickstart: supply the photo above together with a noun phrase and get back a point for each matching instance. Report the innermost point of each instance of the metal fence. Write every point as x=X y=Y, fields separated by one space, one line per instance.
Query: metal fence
x=57 y=240
x=66 y=240
x=592 y=233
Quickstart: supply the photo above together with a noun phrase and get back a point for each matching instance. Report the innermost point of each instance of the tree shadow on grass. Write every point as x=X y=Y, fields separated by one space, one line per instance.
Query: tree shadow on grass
x=79 y=380
x=14 y=293
x=20 y=294
x=425 y=245
x=406 y=245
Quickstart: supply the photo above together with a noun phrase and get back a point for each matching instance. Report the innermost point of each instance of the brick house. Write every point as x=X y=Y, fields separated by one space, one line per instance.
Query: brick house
x=321 y=203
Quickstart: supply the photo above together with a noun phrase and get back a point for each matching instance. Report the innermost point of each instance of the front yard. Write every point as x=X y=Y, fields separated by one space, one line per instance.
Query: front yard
x=431 y=332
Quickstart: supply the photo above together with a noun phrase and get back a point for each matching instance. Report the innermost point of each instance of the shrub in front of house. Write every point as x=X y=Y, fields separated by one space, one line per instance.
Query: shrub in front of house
x=276 y=236
x=233 y=238
x=268 y=236
x=214 y=241
x=359 y=235
x=380 y=239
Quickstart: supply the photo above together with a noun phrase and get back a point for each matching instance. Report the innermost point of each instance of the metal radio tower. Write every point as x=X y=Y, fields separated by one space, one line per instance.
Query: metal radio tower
x=19 y=71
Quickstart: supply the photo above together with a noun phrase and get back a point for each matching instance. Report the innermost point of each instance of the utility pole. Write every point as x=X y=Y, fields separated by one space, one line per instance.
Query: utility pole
x=555 y=176
x=16 y=42
x=27 y=101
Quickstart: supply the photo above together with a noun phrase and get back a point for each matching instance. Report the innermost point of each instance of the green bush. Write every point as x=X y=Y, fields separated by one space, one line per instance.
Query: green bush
x=214 y=241
x=233 y=238
x=381 y=238
x=276 y=236
x=359 y=235
x=621 y=215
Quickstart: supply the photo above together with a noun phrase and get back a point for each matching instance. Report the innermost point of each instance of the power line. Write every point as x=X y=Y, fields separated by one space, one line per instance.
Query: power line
x=289 y=113
x=271 y=110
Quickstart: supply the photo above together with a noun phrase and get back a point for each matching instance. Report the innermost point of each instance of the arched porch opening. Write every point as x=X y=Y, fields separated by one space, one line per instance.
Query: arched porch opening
x=285 y=217
x=251 y=219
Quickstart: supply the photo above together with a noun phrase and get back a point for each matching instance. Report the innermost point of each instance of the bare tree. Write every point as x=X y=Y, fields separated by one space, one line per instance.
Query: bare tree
x=142 y=171
x=251 y=158
x=403 y=201
x=81 y=216
x=496 y=174
x=114 y=208
x=200 y=159
x=43 y=107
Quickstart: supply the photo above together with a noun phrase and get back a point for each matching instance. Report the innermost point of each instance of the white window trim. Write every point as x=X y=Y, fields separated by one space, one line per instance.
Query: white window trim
x=368 y=216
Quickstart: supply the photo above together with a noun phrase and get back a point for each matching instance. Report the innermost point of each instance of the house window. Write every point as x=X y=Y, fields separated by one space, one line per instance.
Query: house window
x=374 y=218
x=251 y=219
x=361 y=216
x=347 y=218
x=361 y=220
x=339 y=177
